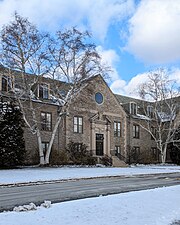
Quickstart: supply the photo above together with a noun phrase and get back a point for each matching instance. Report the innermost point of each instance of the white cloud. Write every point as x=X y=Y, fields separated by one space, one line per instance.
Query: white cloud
x=103 y=13
x=155 y=31
x=50 y=14
x=129 y=88
x=118 y=86
x=91 y=14
x=109 y=58
x=175 y=75
x=132 y=86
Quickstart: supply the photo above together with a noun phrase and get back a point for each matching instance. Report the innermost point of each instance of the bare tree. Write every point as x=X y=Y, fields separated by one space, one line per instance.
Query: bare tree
x=69 y=56
x=160 y=107
x=75 y=60
x=23 y=51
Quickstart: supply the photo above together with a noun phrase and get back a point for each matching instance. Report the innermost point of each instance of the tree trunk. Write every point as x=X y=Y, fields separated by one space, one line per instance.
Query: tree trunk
x=52 y=140
x=163 y=155
x=41 y=153
x=38 y=134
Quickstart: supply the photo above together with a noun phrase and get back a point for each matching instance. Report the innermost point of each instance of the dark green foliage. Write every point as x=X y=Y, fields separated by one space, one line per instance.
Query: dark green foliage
x=59 y=157
x=79 y=155
x=106 y=160
x=175 y=155
x=174 y=147
x=12 y=145
x=176 y=138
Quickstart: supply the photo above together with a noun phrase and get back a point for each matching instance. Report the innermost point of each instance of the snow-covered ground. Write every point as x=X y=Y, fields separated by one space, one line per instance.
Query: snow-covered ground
x=159 y=206
x=47 y=174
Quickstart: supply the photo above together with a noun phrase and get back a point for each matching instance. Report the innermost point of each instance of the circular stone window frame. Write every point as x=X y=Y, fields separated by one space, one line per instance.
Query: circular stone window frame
x=95 y=96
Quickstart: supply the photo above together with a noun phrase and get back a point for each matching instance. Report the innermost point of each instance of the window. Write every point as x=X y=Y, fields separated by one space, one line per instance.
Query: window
x=117 y=129
x=45 y=146
x=154 y=152
x=133 y=108
x=43 y=91
x=46 y=121
x=6 y=83
x=136 y=131
x=135 y=152
x=99 y=98
x=150 y=111
x=117 y=150
x=78 y=124
x=77 y=147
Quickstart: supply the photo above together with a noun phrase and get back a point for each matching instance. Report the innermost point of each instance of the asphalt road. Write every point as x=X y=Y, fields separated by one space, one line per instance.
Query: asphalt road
x=82 y=188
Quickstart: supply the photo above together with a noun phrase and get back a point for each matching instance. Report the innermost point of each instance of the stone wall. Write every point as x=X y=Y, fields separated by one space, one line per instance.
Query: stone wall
x=31 y=139
x=97 y=117
x=144 y=142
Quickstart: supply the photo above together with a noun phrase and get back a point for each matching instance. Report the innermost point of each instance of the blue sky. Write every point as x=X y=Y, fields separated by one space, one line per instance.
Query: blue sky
x=132 y=36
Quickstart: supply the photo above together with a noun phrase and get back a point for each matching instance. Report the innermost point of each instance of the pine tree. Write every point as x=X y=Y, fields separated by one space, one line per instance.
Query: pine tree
x=175 y=147
x=12 y=145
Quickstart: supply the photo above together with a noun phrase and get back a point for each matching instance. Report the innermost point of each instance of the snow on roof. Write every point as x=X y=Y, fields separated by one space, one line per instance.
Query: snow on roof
x=57 y=101
x=166 y=117
x=142 y=117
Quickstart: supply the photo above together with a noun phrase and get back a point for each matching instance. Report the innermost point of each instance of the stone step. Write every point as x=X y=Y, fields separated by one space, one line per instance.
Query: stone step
x=116 y=162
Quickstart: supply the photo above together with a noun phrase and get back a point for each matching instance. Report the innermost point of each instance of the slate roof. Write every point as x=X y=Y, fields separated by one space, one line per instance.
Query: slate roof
x=125 y=100
x=122 y=99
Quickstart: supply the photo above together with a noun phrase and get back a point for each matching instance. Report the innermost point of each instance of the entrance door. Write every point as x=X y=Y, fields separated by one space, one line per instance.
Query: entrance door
x=99 y=144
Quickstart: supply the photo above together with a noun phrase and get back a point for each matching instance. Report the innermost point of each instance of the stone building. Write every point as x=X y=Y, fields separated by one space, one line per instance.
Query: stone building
x=141 y=147
x=108 y=124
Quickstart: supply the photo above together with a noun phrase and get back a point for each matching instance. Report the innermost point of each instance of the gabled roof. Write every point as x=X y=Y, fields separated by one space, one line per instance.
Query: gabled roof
x=119 y=105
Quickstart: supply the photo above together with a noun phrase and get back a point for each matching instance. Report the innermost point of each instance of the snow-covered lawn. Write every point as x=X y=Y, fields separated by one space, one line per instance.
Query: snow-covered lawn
x=159 y=206
x=47 y=174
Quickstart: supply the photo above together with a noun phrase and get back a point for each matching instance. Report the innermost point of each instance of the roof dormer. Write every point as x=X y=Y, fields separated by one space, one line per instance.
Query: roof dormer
x=133 y=108
x=6 y=83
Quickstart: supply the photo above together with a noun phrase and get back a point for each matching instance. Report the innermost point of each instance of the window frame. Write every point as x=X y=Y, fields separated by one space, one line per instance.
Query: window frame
x=117 y=129
x=117 y=149
x=133 y=108
x=136 y=152
x=78 y=147
x=150 y=111
x=78 y=127
x=44 y=93
x=99 y=98
x=8 y=85
x=136 y=131
x=154 y=152
x=46 y=126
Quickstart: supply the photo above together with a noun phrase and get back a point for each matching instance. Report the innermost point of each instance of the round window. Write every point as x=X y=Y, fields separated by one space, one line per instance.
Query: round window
x=99 y=98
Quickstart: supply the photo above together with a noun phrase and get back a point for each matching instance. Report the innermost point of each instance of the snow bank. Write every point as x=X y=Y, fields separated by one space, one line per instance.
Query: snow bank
x=31 y=206
x=160 y=206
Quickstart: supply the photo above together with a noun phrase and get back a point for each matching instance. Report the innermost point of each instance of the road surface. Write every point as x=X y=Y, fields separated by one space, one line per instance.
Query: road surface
x=82 y=188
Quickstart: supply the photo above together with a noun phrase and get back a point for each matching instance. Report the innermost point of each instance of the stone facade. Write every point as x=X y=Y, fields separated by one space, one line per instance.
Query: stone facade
x=31 y=142
x=97 y=118
x=107 y=123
